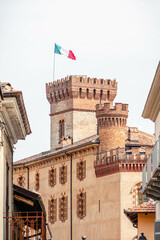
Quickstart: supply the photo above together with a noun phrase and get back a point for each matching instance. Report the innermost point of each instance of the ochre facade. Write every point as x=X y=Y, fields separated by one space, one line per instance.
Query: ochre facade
x=114 y=156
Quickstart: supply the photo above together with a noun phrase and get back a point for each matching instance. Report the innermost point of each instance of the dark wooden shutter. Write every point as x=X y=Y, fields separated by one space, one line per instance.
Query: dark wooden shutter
x=66 y=207
x=65 y=174
x=84 y=206
x=60 y=175
x=77 y=205
x=84 y=169
x=49 y=177
x=49 y=210
x=78 y=170
x=59 y=208
x=55 y=210
x=55 y=176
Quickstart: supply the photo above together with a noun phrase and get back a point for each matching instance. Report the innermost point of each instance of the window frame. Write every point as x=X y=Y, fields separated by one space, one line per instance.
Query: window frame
x=81 y=205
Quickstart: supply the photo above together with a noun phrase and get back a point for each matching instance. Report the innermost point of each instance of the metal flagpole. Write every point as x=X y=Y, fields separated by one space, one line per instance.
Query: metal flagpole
x=54 y=63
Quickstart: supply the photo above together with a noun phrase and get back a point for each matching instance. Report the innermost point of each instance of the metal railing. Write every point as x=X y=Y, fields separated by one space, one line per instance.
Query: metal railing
x=25 y=226
x=118 y=154
x=153 y=163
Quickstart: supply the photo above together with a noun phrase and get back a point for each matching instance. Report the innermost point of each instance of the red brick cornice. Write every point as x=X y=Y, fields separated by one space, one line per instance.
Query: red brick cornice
x=119 y=166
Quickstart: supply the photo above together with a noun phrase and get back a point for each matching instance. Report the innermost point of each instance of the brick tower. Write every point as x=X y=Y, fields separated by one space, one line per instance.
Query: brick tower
x=73 y=107
x=111 y=123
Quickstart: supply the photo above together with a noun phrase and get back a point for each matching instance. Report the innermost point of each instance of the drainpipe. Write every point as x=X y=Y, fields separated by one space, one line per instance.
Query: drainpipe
x=70 y=194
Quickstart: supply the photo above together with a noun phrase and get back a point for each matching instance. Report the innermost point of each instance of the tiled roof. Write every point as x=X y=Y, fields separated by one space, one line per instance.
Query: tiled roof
x=132 y=213
x=90 y=140
x=145 y=207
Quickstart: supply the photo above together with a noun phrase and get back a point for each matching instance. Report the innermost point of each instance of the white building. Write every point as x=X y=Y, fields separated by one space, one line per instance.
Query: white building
x=151 y=172
x=14 y=125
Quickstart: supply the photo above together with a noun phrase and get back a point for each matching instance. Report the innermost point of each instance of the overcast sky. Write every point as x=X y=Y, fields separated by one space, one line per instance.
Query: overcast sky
x=116 y=39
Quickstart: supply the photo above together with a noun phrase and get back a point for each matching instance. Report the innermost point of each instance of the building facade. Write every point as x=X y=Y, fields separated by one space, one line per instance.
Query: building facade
x=14 y=125
x=93 y=170
x=151 y=171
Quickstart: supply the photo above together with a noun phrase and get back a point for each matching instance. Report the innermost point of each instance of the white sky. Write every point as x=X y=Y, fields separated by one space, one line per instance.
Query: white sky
x=110 y=38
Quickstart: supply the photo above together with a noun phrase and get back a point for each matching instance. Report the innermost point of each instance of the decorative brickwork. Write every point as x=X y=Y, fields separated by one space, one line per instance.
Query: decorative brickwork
x=111 y=124
x=74 y=99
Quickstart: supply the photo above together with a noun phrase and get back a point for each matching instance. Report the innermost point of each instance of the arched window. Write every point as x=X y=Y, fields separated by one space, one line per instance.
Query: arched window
x=52 y=210
x=61 y=130
x=37 y=181
x=94 y=93
x=63 y=208
x=87 y=92
x=80 y=92
x=63 y=174
x=81 y=170
x=52 y=177
x=21 y=181
x=108 y=95
x=81 y=205
x=141 y=197
x=101 y=94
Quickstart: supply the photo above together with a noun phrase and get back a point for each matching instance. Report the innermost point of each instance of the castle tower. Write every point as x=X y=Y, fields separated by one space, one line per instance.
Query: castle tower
x=111 y=123
x=73 y=106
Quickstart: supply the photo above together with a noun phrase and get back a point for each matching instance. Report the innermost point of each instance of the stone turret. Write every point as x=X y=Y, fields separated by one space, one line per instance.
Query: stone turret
x=73 y=101
x=111 y=124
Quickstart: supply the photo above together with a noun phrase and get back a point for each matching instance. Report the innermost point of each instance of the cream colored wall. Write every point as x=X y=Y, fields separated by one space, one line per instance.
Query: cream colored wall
x=146 y=225
x=84 y=125
x=103 y=224
x=5 y=156
x=127 y=181
x=157 y=127
x=113 y=191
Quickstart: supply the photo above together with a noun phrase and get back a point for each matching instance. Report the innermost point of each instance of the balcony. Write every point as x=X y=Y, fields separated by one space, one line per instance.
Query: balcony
x=151 y=174
x=119 y=160
x=25 y=225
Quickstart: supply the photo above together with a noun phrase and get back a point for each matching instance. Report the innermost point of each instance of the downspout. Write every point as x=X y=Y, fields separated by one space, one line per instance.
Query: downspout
x=71 y=224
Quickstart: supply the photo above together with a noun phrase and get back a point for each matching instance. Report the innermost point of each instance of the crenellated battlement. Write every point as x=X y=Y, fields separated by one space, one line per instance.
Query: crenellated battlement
x=81 y=87
x=108 y=116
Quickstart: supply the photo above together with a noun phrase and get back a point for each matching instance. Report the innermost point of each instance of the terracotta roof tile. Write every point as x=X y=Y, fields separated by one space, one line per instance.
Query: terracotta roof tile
x=146 y=207
x=91 y=139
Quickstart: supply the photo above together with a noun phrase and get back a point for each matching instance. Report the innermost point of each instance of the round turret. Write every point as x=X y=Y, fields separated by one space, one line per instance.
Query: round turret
x=111 y=125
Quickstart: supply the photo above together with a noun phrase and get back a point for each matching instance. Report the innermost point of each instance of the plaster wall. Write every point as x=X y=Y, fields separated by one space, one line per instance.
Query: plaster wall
x=5 y=157
x=84 y=125
x=146 y=225
x=127 y=181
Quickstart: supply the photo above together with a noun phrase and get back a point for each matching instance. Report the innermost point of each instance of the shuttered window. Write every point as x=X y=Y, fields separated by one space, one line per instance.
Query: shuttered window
x=21 y=181
x=81 y=169
x=81 y=205
x=63 y=174
x=52 y=210
x=141 y=197
x=63 y=208
x=37 y=181
x=52 y=177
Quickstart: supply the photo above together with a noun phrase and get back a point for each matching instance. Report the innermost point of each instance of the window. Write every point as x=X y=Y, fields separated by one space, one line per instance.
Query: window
x=52 y=177
x=81 y=205
x=141 y=197
x=21 y=181
x=52 y=210
x=37 y=181
x=81 y=169
x=63 y=202
x=61 y=130
x=63 y=174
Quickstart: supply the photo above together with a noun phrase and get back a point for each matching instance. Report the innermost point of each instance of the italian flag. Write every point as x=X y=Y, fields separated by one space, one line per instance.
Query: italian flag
x=62 y=51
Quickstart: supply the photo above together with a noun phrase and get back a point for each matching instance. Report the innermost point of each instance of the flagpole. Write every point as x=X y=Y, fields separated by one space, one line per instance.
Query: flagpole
x=54 y=64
